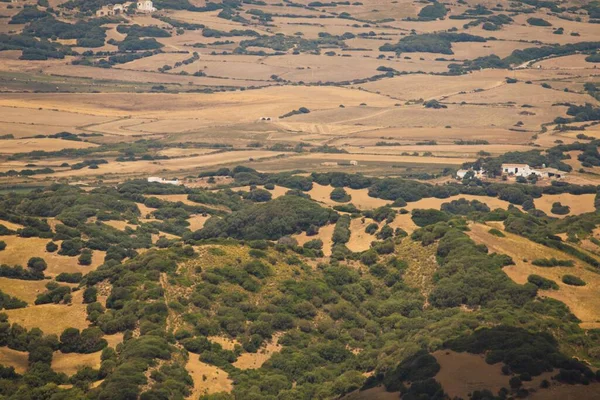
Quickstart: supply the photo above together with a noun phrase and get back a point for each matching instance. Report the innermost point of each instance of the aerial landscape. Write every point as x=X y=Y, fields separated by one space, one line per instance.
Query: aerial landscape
x=295 y=199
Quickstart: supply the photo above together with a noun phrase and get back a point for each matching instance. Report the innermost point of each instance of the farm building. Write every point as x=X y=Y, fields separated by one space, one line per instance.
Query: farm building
x=145 y=6
x=161 y=180
x=517 y=169
x=525 y=170
x=461 y=173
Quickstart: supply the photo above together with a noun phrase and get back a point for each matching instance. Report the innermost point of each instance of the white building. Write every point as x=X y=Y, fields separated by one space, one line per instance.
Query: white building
x=525 y=170
x=112 y=9
x=517 y=170
x=461 y=173
x=145 y=6
x=161 y=180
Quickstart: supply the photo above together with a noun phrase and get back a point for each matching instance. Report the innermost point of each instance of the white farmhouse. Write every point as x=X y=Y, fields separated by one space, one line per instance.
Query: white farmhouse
x=145 y=6
x=161 y=180
x=517 y=170
x=461 y=173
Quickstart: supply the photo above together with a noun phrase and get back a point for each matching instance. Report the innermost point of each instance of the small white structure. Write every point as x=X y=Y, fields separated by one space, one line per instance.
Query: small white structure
x=525 y=170
x=156 y=179
x=517 y=169
x=461 y=173
x=551 y=173
x=112 y=9
x=353 y=162
x=145 y=6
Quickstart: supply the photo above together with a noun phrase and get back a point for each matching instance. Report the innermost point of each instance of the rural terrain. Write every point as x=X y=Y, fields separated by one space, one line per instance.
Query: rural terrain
x=295 y=199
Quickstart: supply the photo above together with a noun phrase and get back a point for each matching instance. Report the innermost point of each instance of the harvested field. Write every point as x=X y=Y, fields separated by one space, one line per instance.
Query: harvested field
x=207 y=378
x=171 y=165
x=26 y=145
x=579 y=204
x=383 y=158
x=52 y=318
x=256 y=360
x=20 y=250
x=584 y=301
x=359 y=239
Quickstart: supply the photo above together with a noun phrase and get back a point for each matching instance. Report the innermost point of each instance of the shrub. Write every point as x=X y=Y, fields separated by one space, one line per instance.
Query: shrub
x=37 y=264
x=2 y=245
x=559 y=209
x=552 y=262
x=340 y=195
x=86 y=257
x=542 y=283
x=573 y=280
x=51 y=247
x=496 y=232
x=538 y=22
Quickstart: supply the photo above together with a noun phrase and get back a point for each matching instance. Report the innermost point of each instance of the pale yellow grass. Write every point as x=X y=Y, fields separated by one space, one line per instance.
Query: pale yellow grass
x=579 y=204
x=177 y=152
x=412 y=87
x=225 y=342
x=120 y=225
x=440 y=150
x=52 y=318
x=201 y=109
x=207 y=378
x=256 y=360
x=584 y=301
x=385 y=158
x=11 y=225
x=575 y=61
x=359 y=239
x=19 y=250
x=172 y=165
x=197 y=222
x=23 y=290
x=404 y=222
x=359 y=197
x=70 y=363
x=27 y=145
x=13 y=358
x=145 y=210
x=325 y=234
